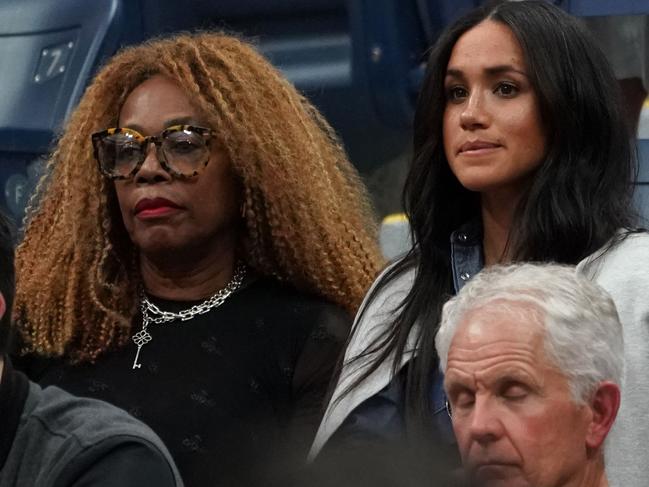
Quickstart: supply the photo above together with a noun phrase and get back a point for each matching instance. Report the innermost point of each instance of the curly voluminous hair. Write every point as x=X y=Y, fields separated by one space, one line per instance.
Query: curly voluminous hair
x=308 y=218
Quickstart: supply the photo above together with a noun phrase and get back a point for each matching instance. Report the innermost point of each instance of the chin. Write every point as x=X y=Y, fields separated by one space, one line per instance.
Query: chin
x=159 y=253
x=154 y=245
x=477 y=185
x=499 y=479
x=477 y=179
x=484 y=185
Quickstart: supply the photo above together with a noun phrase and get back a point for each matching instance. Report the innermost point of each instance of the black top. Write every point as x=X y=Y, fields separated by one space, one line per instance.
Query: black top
x=236 y=394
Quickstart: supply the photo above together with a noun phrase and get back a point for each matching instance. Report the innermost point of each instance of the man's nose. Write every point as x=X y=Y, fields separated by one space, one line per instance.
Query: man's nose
x=475 y=113
x=485 y=421
x=151 y=169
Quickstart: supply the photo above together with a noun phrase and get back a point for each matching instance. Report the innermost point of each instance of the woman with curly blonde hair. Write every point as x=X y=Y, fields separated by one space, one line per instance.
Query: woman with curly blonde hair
x=195 y=252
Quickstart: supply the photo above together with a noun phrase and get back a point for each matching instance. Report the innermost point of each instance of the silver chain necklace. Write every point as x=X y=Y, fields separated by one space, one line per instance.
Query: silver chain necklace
x=151 y=314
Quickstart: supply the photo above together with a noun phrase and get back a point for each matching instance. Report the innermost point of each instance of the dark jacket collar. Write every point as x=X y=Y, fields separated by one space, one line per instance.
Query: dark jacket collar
x=14 y=387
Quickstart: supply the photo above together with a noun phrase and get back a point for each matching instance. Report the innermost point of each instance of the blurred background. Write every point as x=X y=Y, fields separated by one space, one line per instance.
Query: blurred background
x=359 y=61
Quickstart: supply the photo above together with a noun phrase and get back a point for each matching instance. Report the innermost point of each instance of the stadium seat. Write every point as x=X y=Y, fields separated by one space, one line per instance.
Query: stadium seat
x=49 y=51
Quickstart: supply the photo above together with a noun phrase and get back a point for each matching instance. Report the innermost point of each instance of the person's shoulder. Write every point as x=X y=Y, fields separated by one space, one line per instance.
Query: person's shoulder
x=123 y=464
x=289 y=307
x=380 y=306
x=79 y=431
x=621 y=267
x=398 y=276
x=388 y=291
x=627 y=254
x=635 y=243
x=286 y=297
x=89 y=419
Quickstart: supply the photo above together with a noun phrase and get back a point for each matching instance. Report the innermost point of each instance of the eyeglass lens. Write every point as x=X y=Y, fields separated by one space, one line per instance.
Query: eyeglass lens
x=184 y=151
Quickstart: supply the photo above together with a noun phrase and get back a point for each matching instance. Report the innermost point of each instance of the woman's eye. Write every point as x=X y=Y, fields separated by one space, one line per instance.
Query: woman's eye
x=182 y=146
x=456 y=93
x=506 y=89
x=128 y=149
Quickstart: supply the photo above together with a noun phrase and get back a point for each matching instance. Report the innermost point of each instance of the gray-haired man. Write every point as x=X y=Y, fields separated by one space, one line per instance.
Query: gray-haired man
x=533 y=361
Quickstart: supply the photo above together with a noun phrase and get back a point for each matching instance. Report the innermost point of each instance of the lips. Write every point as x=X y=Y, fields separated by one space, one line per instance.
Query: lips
x=492 y=465
x=477 y=146
x=151 y=207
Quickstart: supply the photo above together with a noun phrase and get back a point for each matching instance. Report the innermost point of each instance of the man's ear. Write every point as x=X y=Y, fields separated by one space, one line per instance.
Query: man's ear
x=604 y=405
x=3 y=305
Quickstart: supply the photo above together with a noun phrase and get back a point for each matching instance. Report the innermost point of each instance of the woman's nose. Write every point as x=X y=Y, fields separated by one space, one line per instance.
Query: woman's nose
x=151 y=169
x=475 y=113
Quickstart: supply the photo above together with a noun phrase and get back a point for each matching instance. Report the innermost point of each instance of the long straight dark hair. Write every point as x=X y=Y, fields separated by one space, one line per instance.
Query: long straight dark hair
x=579 y=198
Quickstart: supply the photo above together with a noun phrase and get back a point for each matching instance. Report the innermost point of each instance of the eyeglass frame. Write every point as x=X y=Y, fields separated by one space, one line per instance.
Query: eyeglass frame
x=145 y=141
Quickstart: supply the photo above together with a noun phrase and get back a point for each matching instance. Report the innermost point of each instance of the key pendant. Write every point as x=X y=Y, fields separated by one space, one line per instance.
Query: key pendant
x=141 y=338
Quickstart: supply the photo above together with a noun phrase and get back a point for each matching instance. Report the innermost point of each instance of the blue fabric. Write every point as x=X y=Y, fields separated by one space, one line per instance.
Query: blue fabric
x=378 y=418
x=466 y=254
x=443 y=429
x=466 y=261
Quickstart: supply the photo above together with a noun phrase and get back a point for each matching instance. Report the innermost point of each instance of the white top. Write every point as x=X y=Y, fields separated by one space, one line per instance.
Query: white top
x=377 y=318
x=624 y=273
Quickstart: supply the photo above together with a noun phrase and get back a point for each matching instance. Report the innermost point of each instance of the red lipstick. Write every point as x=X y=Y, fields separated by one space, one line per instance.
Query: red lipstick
x=155 y=207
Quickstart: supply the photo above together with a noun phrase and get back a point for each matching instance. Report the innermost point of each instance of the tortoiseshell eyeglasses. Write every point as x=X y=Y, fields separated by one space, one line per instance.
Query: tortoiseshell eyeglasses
x=183 y=150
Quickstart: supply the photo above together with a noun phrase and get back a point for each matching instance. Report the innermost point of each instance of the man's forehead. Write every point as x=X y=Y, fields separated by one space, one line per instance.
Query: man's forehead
x=496 y=358
x=498 y=340
x=499 y=322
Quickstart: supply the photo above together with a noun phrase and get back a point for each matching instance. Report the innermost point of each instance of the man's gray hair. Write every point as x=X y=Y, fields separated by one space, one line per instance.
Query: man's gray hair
x=583 y=334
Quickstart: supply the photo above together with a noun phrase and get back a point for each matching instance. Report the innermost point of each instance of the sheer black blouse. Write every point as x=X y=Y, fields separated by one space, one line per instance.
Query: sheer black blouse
x=236 y=394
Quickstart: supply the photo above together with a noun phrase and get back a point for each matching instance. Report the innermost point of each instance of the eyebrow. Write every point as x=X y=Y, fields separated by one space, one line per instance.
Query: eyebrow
x=168 y=123
x=515 y=375
x=491 y=71
x=455 y=386
x=458 y=378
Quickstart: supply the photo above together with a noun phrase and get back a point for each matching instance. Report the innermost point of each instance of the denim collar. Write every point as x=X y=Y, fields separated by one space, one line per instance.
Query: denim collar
x=466 y=261
x=466 y=253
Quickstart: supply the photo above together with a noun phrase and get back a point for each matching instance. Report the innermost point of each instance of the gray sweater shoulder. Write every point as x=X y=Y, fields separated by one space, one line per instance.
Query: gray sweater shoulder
x=57 y=430
x=623 y=271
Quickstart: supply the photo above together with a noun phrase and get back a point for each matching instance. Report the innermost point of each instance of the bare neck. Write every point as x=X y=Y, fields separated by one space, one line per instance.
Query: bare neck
x=187 y=278
x=497 y=217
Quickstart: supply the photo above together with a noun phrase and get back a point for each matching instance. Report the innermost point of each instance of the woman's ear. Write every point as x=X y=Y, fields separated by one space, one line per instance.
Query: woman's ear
x=604 y=405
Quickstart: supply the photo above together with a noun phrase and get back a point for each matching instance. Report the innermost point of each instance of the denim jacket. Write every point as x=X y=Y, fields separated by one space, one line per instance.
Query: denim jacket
x=380 y=416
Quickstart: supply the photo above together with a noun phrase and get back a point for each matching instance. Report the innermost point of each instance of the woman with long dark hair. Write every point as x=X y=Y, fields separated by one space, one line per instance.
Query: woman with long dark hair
x=521 y=153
